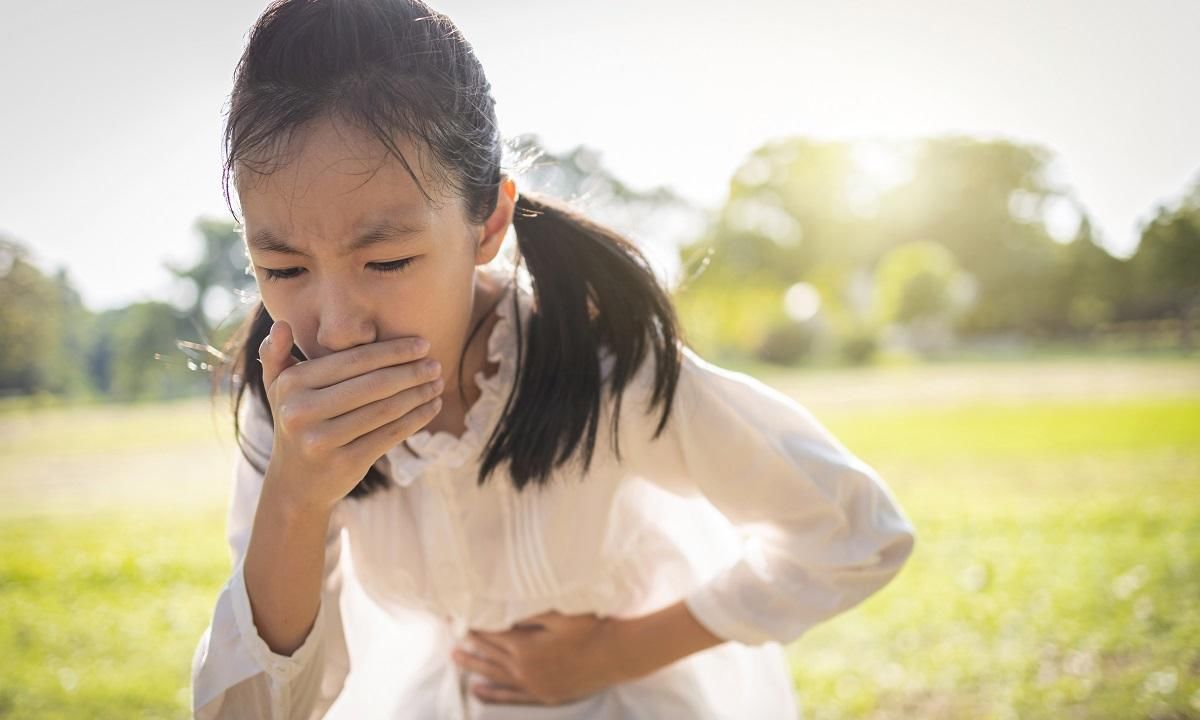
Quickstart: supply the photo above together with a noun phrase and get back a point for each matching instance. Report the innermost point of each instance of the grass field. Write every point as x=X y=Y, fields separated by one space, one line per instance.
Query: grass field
x=1057 y=570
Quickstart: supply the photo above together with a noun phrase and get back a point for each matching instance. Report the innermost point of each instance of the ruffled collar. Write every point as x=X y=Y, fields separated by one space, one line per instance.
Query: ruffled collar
x=443 y=448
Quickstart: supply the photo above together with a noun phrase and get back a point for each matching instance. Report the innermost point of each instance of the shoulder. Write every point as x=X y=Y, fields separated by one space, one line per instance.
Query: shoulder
x=696 y=379
x=710 y=396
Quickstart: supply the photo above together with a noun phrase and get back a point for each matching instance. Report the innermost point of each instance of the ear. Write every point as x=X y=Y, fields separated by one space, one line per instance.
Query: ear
x=496 y=226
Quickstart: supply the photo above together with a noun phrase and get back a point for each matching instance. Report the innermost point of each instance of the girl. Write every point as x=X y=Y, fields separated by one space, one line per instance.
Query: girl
x=423 y=423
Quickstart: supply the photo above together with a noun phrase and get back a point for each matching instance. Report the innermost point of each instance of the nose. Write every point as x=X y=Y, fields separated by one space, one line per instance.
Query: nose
x=345 y=319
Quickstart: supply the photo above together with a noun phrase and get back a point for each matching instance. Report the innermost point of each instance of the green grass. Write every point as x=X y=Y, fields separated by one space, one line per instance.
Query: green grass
x=1039 y=588
x=1056 y=573
x=99 y=616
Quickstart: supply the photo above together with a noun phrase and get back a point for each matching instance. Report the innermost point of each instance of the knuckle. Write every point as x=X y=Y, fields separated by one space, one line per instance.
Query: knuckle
x=287 y=379
x=357 y=356
x=405 y=401
x=380 y=412
x=423 y=372
x=415 y=346
x=404 y=426
x=413 y=421
x=393 y=379
x=400 y=429
x=375 y=384
x=312 y=442
x=288 y=416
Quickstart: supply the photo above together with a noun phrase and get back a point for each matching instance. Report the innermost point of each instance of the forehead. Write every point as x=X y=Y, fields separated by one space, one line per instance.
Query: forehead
x=332 y=176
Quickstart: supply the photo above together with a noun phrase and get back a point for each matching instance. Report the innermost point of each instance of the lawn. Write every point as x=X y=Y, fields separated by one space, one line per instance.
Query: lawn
x=1057 y=571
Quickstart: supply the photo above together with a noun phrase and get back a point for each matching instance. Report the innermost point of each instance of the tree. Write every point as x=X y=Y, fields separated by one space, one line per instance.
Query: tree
x=218 y=279
x=28 y=333
x=657 y=219
x=1089 y=284
x=44 y=328
x=1165 y=268
x=825 y=213
x=983 y=201
x=137 y=354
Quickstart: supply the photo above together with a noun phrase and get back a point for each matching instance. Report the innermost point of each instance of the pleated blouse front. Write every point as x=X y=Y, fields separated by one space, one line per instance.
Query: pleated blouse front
x=746 y=508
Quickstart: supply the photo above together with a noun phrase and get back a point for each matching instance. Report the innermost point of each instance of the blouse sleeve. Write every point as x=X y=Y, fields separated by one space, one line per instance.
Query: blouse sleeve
x=234 y=672
x=821 y=529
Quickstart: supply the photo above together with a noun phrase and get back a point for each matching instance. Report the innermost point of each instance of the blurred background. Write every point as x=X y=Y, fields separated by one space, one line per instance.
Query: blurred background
x=967 y=236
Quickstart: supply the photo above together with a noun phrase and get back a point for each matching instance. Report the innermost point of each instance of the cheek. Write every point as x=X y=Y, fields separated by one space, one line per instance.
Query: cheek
x=273 y=301
x=400 y=321
x=418 y=315
x=282 y=305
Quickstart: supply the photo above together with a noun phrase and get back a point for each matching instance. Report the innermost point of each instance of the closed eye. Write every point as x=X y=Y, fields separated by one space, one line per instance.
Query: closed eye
x=390 y=266
x=393 y=265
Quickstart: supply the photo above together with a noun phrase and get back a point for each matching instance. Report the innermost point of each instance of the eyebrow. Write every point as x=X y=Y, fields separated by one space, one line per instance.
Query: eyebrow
x=375 y=233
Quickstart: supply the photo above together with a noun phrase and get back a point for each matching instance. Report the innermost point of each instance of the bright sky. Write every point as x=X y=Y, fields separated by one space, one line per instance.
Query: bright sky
x=112 y=127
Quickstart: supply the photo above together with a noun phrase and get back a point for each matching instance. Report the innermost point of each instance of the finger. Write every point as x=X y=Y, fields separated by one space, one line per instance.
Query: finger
x=490 y=692
x=556 y=621
x=493 y=671
x=348 y=427
x=377 y=442
x=386 y=382
x=359 y=360
x=275 y=352
x=536 y=622
x=506 y=640
x=486 y=643
x=519 y=633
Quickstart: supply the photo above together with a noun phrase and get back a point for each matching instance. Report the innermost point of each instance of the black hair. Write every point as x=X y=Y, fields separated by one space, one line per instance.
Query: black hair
x=398 y=67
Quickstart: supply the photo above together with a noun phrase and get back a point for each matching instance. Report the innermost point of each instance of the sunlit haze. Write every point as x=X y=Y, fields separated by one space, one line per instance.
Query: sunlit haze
x=111 y=132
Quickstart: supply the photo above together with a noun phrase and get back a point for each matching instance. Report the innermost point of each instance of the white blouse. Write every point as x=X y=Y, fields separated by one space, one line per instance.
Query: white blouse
x=746 y=508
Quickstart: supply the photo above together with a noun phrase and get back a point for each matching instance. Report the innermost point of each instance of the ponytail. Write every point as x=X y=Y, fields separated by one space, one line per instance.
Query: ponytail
x=594 y=293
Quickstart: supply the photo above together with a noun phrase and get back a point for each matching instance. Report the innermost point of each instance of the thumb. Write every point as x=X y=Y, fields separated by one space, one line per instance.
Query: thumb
x=275 y=352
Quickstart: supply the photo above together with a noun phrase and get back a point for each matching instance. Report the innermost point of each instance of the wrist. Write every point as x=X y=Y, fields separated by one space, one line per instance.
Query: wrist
x=290 y=506
x=643 y=644
x=627 y=662
x=290 y=513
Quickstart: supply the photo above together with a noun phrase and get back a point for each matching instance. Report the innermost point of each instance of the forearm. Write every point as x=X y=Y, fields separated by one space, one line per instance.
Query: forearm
x=284 y=568
x=645 y=644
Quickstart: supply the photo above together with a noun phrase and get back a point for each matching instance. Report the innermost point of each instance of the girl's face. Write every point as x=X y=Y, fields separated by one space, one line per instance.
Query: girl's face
x=346 y=249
